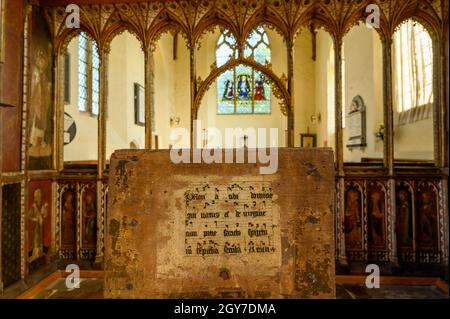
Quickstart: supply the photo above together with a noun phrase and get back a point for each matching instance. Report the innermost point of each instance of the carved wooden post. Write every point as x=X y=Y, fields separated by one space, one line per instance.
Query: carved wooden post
x=290 y=88
x=24 y=152
x=102 y=109
x=149 y=82
x=58 y=114
x=1 y=205
x=439 y=109
x=445 y=92
x=339 y=147
x=1 y=189
x=389 y=145
x=2 y=23
x=445 y=141
x=101 y=217
x=192 y=62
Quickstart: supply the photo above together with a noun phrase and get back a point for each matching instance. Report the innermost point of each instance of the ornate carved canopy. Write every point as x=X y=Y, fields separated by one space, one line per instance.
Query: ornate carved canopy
x=148 y=19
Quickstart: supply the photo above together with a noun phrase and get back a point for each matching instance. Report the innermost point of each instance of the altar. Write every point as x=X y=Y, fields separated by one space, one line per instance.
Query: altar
x=217 y=230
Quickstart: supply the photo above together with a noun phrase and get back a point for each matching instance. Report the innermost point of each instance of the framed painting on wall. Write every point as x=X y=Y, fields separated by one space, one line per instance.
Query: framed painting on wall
x=139 y=104
x=139 y=107
x=308 y=140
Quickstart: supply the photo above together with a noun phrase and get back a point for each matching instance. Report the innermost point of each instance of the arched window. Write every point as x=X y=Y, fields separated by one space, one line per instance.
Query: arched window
x=88 y=74
x=243 y=90
x=413 y=72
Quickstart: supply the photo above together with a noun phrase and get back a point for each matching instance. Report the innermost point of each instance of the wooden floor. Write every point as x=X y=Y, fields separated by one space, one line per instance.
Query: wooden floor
x=347 y=287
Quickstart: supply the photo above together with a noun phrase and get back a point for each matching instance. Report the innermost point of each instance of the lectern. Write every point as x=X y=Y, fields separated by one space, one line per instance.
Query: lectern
x=220 y=230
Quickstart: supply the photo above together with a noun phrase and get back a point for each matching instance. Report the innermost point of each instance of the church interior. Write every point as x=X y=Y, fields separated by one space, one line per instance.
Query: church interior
x=81 y=79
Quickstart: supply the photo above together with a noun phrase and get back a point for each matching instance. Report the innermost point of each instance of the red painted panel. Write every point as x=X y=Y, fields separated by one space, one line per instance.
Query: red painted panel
x=10 y=126
x=11 y=86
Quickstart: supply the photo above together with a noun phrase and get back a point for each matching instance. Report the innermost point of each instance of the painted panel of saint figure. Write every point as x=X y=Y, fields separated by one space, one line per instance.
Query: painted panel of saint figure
x=376 y=218
x=404 y=214
x=353 y=220
x=40 y=98
x=89 y=213
x=68 y=219
x=39 y=222
x=427 y=220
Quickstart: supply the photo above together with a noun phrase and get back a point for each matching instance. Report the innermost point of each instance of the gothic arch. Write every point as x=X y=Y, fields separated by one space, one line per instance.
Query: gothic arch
x=163 y=22
x=259 y=18
x=212 y=19
x=279 y=88
x=62 y=42
x=109 y=34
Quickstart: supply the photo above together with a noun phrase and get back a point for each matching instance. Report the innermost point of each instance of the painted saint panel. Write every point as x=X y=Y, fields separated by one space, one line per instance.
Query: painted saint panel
x=88 y=222
x=353 y=223
x=39 y=222
x=68 y=218
x=427 y=218
x=376 y=210
x=40 y=124
x=10 y=124
x=404 y=223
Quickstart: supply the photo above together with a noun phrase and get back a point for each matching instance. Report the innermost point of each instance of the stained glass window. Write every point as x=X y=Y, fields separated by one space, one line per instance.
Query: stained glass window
x=243 y=90
x=88 y=74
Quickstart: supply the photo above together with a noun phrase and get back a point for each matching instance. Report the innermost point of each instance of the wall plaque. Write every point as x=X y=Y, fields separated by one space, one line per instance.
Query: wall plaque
x=356 y=123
